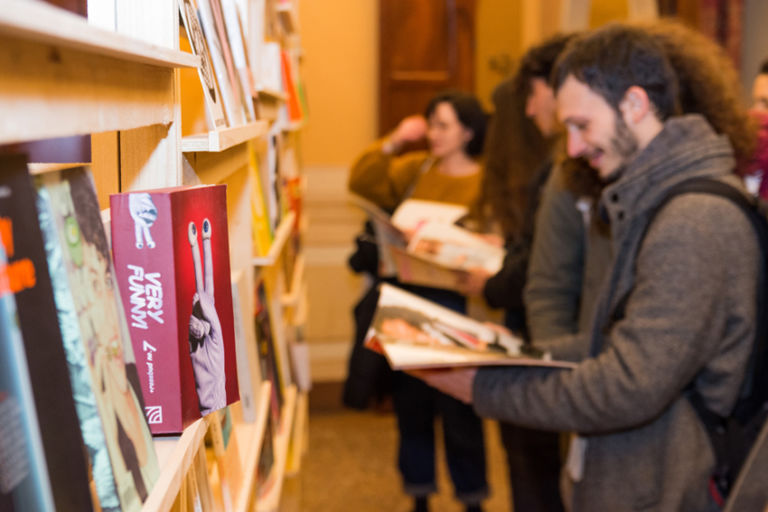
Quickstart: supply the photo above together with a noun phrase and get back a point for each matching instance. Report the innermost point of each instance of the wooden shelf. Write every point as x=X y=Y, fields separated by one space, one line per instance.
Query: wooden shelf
x=293 y=126
x=220 y=140
x=281 y=236
x=254 y=434
x=273 y=94
x=271 y=501
x=291 y=299
x=300 y=437
x=42 y=23
x=175 y=456
x=287 y=15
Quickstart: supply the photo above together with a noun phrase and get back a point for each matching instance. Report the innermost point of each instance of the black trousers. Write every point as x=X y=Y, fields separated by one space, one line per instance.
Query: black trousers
x=533 y=457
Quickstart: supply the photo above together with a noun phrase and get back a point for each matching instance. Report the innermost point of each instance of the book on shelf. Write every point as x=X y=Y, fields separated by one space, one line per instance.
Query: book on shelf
x=263 y=234
x=229 y=86
x=236 y=78
x=27 y=275
x=96 y=341
x=248 y=372
x=265 y=467
x=24 y=475
x=413 y=333
x=211 y=92
x=293 y=102
x=268 y=358
x=177 y=299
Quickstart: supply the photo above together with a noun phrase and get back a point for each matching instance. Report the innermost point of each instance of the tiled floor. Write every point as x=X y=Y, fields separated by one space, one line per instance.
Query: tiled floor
x=350 y=465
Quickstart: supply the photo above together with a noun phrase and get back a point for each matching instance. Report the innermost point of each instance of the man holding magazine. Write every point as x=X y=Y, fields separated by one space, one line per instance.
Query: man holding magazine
x=677 y=312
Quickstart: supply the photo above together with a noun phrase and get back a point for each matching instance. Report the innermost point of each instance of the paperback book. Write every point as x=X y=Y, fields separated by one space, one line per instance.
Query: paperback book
x=178 y=302
x=99 y=352
x=267 y=350
x=414 y=333
x=24 y=476
x=46 y=361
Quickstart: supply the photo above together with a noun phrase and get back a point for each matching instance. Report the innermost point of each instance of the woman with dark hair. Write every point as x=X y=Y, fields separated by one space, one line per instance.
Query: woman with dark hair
x=454 y=126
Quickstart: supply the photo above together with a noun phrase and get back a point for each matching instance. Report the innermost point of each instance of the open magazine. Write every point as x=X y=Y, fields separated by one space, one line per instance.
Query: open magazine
x=420 y=243
x=413 y=333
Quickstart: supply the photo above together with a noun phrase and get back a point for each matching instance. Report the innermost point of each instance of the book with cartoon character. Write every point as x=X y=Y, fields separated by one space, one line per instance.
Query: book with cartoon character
x=177 y=298
x=99 y=353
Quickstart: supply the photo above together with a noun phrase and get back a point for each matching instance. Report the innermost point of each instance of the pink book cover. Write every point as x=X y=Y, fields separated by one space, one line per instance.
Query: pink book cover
x=171 y=252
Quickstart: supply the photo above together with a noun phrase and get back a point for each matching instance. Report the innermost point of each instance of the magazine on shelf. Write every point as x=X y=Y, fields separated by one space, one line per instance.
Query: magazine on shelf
x=414 y=333
x=171 y=252
x=99 y=352
x=213 y=101
x=46 y=360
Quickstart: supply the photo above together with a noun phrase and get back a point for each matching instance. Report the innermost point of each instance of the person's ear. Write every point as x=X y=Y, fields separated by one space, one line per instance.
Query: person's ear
x=635 y=105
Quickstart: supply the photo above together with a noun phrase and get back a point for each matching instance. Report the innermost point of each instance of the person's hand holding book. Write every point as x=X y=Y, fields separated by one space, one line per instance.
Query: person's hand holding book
x=456 y=382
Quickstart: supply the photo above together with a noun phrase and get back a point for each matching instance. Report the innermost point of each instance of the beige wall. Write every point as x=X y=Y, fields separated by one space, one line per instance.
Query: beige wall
x=497 y=37
x=340 y=41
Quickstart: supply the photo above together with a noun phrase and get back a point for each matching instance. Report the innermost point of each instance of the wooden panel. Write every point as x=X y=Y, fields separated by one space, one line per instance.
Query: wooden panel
x=84 y=93
x=145 y=161
x=105 y=165
x=416 y=63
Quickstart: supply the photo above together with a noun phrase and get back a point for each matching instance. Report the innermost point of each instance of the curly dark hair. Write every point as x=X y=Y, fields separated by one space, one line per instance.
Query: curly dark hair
x=515 y=148
x=470 y=113
x=615 y=57
x=707 y=84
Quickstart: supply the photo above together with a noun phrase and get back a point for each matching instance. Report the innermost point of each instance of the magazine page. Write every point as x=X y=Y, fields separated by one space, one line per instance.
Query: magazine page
x=387 y=234
x=412 y=213
x=414 y=333
x=414 y=269
x=454 y=247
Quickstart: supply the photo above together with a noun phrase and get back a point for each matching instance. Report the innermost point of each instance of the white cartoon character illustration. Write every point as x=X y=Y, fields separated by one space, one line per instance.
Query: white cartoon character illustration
x=144 y=214
x=206 y=344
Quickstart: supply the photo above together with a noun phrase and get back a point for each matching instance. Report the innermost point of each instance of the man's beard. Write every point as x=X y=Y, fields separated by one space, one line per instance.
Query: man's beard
x=624 y=144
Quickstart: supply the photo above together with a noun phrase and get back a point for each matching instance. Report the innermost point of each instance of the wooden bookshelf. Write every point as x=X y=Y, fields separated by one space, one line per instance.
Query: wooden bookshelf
x=287 y=15
x=282 y=233
x=272 y=94
x=120 y=83
x=225 y=138
x=300 y=435
x=41 y=23
x=291 y=298
x=271 y=501
x=175 y=455
x=253 y=434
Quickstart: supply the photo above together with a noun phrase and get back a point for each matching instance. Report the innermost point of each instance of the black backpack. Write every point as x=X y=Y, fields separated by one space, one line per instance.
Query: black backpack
x=733 y=436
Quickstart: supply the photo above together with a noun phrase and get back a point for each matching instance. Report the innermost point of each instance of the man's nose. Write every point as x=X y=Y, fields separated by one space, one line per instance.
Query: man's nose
x=575 y=146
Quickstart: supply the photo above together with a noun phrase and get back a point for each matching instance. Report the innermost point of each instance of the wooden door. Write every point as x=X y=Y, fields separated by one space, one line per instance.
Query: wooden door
x=425 y=46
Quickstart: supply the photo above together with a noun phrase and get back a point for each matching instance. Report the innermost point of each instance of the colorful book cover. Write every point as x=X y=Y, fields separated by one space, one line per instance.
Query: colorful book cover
x=27 y=272
x=24 y=476
x=177 y=299
x=267 y=349
x=295 y=113
x=262 y=231
x=95 y=339
x=248 y=372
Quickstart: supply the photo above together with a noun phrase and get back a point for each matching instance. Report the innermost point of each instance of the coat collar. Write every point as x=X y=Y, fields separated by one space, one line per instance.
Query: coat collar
x=686 y=147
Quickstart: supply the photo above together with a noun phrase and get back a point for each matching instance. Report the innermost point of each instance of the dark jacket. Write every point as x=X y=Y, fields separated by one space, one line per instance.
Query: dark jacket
x=505 y=288
x=690 y=317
